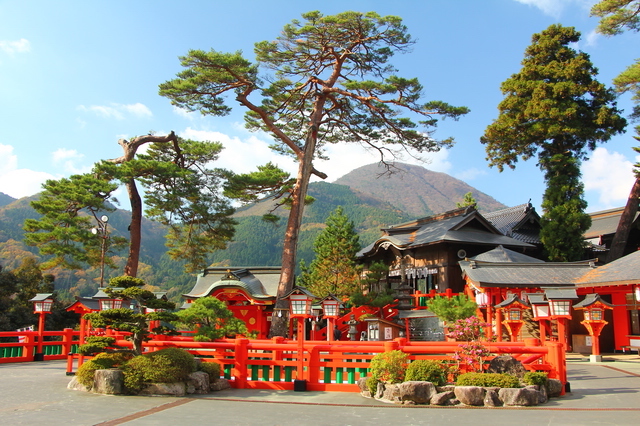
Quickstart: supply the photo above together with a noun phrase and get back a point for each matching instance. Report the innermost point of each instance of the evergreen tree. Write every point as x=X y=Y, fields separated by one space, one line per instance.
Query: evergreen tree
x=324 y=79
x=564 y=207
x=334 y=270
x=554 y=109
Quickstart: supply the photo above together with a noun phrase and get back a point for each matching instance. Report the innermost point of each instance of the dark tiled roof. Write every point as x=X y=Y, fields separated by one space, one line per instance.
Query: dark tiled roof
x=464 y=225
x=505 y=274
x=625 y=270
x=604 y=222
x=501 y=254
x=259 y=282
x=519 y=222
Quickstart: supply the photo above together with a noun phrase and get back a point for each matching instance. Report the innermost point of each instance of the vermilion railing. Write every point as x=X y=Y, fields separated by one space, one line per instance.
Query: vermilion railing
x=21 y=345
x=333 y=366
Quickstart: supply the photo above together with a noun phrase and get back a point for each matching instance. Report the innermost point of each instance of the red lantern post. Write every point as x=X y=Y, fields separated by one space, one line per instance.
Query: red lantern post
x=512 y=309
x=594 y=322
x=300 y=300
x=42 y=304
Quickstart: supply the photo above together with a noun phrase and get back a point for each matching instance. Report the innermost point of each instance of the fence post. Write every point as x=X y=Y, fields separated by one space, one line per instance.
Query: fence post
x=314 y=365
x=240 y=362
x=67 y=340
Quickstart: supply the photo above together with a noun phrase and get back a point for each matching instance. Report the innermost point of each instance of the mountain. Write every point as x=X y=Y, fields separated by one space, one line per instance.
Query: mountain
x=417 y=191
x=5 y=199
x=370 y=201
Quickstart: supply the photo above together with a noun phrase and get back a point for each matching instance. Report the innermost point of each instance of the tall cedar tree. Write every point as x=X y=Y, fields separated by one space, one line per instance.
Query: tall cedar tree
x=334 y=270
x=181 y=192
x=553 y=106
x=564 y=209
x=616 y=15
x=325 y=79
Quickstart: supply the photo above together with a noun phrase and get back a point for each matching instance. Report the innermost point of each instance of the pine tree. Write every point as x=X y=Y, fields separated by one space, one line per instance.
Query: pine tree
x=334 y=270
x=564 y=221
x=554 y=109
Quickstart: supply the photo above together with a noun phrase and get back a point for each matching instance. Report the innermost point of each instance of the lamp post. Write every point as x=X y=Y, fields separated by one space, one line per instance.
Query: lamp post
x=42 y=303
x=331 y=308
x=540 y=307
x=560 y=309
x=106 y=302
x=300 y=300
x=513 y=306
x=102 y=230
x=594 y=322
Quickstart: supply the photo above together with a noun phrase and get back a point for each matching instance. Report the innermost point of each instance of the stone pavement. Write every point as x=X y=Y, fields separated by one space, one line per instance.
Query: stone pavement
x=35 y=394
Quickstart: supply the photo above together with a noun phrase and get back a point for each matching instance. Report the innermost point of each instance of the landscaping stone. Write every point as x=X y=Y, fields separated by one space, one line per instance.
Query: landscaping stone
x=74 y=384
x=416 y=391
x=519 y=396
x=379 y=390
x=491 y=398
x=442 y=398
x=555 y=388
x=198 y=383
x=108 y=382
x=508 y=365
x=364 y=389
x=470 y=395
x=174 y=389
x=391 y=393
x=220 y=384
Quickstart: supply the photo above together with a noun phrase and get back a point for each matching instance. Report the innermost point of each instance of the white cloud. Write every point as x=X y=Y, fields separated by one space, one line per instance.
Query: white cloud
x=242 y=155
x=118 y=111
x=15 y=182
x=470 y=174
x=592 y=38
x=67 y=159
x=554 y=8
x=17 y=46
x=608 y=176
x=189 y=115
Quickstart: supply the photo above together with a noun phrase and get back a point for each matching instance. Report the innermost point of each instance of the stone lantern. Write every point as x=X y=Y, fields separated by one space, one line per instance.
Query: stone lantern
x=512 y=309
x=594 y=308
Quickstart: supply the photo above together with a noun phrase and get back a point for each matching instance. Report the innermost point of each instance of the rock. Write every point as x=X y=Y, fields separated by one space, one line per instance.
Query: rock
x=491 y=398
x=416 y=391
x=362 y=385
x=442 y=398
x=175 y=389
x=519 y=396
x=555 y=388
x=544 y=395
x=508 y=365
x=447 y=388
x=74 y=384
x=198 y=383
x=470 y=395
x=220 y=384
x=379 y=391
x=391 y=393
x=108 y=382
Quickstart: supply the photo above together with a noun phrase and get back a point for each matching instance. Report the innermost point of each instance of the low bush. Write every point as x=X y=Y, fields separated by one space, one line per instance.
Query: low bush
x=488 y=380
x=372 y=385
x=168 y=365
x=427 y=371
x=101 y=361
x=535 y=378
x=212 y=369
x=389 y=367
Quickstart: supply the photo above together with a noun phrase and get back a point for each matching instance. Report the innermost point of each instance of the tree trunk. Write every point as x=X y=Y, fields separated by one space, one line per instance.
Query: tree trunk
x=135 y=234
x=279 y=325
x=621 y=236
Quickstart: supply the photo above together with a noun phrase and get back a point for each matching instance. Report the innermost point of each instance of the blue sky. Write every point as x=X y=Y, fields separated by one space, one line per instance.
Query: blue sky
x=78 y=75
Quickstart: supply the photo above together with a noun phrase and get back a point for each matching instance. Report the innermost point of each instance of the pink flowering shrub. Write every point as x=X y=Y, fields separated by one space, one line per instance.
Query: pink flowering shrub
x=470 y=356
x=468 y=329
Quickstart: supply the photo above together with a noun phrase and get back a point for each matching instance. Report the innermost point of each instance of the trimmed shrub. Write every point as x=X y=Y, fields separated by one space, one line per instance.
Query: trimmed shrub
x=488 y=380
x=96 y=344
x=425 y=370
x=101 y=361
x=535 y=378
x=389 y=367
x=167 y=365
x=212 y=369
x=372 y=385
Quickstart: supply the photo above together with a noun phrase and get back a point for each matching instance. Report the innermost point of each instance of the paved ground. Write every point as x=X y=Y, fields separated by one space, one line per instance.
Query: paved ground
x=35 y=393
